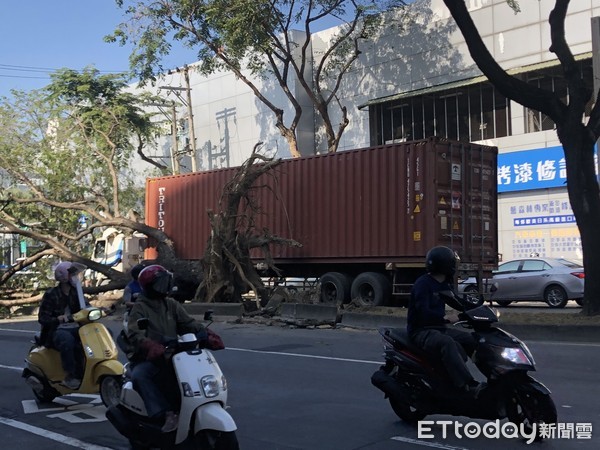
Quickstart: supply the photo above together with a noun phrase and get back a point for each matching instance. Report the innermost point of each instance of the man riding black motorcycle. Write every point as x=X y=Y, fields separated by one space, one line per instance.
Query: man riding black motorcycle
x=427 y=320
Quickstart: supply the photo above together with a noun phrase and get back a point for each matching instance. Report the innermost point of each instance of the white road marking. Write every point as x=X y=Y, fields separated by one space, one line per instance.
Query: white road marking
x=11 y=367
x=426 y=443
x=300 y=355
x=51 y=435
x=18 y=331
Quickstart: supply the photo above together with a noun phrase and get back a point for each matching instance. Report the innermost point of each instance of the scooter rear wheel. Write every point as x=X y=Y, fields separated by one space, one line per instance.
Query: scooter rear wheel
x=406 y=412
x=44 y=396
x=41 y=390
x=135 y=445
x=216 y=440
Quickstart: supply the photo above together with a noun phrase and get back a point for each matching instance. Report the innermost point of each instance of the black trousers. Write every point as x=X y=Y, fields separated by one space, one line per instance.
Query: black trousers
x=451 y=346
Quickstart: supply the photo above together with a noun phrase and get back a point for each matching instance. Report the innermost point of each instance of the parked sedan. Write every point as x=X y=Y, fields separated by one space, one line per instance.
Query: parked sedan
x=554 y=281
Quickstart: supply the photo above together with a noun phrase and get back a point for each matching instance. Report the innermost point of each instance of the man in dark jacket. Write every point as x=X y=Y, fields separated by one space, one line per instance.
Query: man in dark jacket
x=58 y=329
x=152 y=377
x=427 y=319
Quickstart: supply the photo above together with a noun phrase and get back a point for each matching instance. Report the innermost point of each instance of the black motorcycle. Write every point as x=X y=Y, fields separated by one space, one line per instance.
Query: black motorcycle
x=417 y=386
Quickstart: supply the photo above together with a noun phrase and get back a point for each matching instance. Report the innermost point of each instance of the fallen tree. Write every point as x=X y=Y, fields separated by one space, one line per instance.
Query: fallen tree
x=229 y=271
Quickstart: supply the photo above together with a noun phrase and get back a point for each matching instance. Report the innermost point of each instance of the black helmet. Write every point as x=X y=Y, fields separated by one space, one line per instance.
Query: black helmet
x=135 y=271
x=441 y=260
x=156 y=281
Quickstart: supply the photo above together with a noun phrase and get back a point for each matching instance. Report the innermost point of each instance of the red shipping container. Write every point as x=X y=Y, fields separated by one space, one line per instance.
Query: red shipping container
x=388 y=204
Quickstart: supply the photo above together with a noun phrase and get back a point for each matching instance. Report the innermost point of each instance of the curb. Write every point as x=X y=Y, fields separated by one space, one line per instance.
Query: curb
x=220 y=310
x=371 y=321
x=555 y=333
x=301 y=314
x=298 y=313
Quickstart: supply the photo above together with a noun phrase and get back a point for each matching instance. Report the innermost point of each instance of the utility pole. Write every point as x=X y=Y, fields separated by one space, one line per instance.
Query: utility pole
x=173 y=119
x=188 y=103
x=174 y=150
x=188 y=91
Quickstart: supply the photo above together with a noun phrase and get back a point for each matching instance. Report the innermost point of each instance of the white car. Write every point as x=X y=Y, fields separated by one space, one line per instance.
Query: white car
x=551 y=280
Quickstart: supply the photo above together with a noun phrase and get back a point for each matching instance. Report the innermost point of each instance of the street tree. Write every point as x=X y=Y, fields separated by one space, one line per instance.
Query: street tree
x=576 y=135
x=261 y=39
x=65 y=153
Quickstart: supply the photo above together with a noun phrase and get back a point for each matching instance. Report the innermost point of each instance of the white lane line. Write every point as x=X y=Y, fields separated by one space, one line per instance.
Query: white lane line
x=425 y=443
x=51 y=435
x=330 y=358
x=18 y=331
x=554 y=343
x=2 y=366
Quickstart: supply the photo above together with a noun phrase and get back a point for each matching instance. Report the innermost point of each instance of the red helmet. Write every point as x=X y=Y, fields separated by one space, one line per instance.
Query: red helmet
x=155 y=281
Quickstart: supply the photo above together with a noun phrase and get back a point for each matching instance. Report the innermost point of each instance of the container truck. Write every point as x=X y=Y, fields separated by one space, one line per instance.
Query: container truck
x=365 y=218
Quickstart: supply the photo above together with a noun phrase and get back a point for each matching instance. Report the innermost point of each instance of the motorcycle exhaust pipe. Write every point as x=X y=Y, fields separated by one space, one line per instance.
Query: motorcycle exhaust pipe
x=386 y=383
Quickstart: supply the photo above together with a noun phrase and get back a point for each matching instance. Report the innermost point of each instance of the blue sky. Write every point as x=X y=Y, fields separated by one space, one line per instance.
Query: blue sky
x=39 y=36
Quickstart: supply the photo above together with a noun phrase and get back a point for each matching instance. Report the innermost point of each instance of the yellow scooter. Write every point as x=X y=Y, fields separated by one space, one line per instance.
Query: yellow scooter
x=102 y=370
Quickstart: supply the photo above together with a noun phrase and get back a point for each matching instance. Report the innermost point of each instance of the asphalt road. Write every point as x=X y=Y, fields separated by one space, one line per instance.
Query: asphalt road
x=294 y=389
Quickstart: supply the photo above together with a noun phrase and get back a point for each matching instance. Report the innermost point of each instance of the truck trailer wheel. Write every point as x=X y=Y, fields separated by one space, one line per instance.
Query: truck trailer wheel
x=335 y=288
x=371 y=289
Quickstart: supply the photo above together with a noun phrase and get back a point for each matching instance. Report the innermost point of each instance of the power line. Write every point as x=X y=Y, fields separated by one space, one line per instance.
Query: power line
x=45 y=69
x=23 y=76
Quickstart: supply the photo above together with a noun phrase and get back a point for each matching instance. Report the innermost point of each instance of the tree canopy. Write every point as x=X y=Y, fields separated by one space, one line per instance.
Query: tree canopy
x=264 y=38
x=65 y=155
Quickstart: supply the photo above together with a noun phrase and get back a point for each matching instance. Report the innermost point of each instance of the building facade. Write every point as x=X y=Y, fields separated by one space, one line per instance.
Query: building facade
x=418 y=83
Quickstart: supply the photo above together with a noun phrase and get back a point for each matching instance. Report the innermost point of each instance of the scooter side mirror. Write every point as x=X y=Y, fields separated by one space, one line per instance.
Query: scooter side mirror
x=143 y=323
x=208 y=315
x=94 y=314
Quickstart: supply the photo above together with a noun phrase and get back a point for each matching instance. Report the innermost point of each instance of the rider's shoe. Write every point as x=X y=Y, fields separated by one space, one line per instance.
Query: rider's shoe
x=171 y=422
x=71 y=382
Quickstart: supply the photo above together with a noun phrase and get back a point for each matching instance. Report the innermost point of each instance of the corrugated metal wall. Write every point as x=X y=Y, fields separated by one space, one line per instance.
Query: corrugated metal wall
x=384 y=204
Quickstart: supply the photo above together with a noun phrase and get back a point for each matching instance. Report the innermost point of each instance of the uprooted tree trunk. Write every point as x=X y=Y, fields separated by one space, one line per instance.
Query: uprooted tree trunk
x=228 y=268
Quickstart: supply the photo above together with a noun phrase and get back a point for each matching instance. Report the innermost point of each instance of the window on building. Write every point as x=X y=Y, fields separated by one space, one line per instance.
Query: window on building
x=552 y=79
x=468 y=113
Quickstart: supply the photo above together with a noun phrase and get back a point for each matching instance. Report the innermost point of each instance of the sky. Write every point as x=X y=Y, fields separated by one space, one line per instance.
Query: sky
x=40 y=36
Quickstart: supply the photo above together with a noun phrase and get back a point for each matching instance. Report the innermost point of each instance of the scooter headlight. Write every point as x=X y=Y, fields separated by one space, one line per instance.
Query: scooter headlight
x=516 y=355
x=210 y=386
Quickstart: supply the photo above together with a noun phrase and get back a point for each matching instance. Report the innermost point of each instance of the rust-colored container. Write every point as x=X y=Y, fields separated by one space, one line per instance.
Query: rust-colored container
x=386 y=204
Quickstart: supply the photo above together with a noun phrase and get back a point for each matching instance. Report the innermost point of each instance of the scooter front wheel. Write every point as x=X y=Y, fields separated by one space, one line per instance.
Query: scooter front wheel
x=110 y=390
x=532 y=407
x=216 y=440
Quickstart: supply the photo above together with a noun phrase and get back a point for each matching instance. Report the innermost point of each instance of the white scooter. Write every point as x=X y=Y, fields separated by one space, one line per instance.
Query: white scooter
x=203 y=419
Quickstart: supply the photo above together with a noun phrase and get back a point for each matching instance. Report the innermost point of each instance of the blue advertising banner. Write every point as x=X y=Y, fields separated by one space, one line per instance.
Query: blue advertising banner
x=531 y=169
